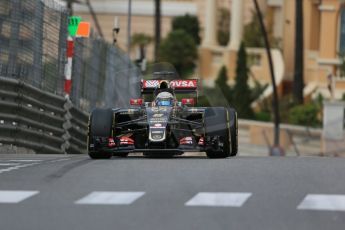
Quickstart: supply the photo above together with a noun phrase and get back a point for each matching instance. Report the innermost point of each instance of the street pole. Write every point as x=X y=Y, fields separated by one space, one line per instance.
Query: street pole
x=129 y=41
x=116 y=30
x=157 y=27
x=129 y=28
x=70 y=7
x=94 y=16
x=275 y=150
x=298 y=83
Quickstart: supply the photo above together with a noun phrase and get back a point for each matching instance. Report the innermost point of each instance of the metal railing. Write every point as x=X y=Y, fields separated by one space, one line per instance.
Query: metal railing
x=34 y=113
x=40 y=120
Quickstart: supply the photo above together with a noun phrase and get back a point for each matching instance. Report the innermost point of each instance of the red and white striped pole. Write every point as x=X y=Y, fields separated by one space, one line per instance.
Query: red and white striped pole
x=68 y=66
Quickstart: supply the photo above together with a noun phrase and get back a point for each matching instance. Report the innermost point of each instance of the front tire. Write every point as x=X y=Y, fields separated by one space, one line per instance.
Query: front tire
x=100 y=126
x=217 y=124
x=233 y=131
x=100 y=155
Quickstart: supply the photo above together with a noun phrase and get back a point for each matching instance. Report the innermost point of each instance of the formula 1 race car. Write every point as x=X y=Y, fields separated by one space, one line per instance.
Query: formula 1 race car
x=164 y=126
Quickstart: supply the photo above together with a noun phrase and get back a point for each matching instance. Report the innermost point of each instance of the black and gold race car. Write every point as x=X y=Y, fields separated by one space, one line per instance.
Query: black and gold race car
x=165 y=126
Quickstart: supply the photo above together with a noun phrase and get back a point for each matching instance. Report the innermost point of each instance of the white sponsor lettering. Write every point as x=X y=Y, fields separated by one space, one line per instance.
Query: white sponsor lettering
x=183 y=84
x=158 y=115
x=174 y=84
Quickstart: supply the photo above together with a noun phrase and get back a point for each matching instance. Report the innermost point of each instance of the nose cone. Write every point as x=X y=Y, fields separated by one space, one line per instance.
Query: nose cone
x=157 y=134
x=158 y=118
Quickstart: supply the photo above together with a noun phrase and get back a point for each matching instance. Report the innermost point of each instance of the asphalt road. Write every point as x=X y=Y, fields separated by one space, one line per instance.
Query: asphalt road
x=74 y=192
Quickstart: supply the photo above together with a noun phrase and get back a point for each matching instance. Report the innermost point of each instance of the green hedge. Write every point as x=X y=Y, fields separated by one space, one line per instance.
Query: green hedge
x=306 y=115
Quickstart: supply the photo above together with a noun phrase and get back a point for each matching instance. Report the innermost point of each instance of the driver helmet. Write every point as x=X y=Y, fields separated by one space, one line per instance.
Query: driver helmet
x=164 y=99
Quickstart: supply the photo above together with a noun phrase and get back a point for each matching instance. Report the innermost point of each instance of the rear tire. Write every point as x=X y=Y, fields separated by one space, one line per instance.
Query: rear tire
x=100 y=126
x=233 y=131
x=217 y=124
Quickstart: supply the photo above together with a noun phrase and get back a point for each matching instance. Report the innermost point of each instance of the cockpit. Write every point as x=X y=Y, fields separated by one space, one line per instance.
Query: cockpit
x=164 y=99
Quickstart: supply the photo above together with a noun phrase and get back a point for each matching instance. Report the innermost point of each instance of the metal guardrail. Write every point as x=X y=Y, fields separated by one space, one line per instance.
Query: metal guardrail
x=33 y=112
x=39 y=120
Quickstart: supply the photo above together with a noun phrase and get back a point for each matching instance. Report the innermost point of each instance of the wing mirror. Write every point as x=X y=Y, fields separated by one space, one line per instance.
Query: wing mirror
x=188 y=101
x=136 y=101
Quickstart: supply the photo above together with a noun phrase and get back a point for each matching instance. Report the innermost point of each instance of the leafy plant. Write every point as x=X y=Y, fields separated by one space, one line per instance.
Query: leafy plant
x=203 y=101
x=190 y=24
x=242 y=93
x=141 y=40
x=222 y=85
x=180 y=50
x=252 y=35
x=306 y=115
x=263 y=116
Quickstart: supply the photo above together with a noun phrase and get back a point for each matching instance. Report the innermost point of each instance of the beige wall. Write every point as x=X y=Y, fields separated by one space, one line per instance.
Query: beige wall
x=321 y=44
x=329 y=30
x=289 y=38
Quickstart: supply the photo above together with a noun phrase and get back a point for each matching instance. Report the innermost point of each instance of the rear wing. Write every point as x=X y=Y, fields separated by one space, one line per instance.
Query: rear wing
x=179 y=86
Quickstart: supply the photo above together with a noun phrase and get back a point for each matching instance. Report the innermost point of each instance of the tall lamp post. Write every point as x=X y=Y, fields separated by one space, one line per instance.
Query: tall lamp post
x=157 y=27
x=129 y=27
x=276 y=150
x=298 y=83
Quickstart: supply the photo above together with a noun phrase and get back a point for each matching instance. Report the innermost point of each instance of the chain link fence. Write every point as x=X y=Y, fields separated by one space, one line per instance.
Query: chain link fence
x=32 y=42
x=33 y=38
x=103 y=76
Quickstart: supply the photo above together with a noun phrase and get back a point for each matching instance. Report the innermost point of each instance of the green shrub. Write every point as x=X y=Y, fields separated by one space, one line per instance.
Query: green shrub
x=263 y=116
x=306 y=115
x=180 y=50
x=190 y=24
x=242 y=93
x=203 y=101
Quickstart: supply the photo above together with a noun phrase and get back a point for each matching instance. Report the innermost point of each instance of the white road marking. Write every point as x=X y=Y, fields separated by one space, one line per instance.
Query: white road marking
x=16 y=167
x=8 y=196
x=20 y=160
x=323 y=202
x=8 y=164
x=218 y=199
x=111 y=198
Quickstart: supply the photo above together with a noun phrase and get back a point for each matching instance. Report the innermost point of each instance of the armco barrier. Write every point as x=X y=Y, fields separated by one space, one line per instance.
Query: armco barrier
x=38 y=120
